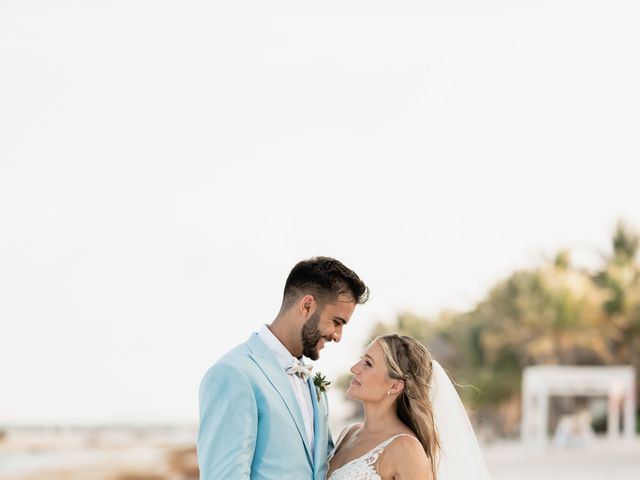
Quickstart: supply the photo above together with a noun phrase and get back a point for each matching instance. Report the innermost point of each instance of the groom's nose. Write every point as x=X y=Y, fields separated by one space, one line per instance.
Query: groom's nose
x=337 y=335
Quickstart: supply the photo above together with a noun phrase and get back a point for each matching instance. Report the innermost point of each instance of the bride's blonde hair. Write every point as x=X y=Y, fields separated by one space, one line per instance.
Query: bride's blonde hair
x=408 y=360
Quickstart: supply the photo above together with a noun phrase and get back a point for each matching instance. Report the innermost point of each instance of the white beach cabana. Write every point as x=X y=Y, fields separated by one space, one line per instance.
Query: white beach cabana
x=541 y=382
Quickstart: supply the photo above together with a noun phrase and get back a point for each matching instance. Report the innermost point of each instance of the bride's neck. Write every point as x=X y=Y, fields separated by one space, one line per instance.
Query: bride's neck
x=379 y=417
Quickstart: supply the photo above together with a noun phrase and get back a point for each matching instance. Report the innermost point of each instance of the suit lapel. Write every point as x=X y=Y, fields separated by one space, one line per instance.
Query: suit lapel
x=267 y=362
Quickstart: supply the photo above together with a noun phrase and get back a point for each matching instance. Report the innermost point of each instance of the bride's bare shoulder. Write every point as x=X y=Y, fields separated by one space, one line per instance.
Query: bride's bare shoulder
x=405 y=457
x=347 y=431
x=354 y=426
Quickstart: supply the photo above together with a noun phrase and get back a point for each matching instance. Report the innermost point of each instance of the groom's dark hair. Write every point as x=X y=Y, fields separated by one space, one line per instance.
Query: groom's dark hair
x=325 y=278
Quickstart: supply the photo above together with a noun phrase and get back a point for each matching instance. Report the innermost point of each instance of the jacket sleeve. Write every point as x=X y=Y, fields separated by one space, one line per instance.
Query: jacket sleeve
x=228 y=424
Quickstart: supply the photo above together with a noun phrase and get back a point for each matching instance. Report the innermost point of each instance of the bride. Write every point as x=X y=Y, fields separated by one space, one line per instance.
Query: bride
x=415 y=426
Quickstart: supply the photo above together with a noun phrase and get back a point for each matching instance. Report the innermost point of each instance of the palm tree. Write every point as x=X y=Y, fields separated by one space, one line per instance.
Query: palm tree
x=619 y=279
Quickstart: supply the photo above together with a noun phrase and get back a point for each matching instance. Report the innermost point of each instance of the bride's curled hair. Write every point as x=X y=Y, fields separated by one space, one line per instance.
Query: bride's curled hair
x=408 y=360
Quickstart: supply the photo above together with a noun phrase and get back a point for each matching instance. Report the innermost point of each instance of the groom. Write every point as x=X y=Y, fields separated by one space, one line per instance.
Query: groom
x=261 y=416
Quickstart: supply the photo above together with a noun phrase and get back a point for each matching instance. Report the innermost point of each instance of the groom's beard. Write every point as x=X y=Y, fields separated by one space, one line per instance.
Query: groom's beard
x=311 y=336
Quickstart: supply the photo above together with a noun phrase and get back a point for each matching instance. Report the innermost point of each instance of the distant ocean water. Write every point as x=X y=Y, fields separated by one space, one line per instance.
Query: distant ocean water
x=25 y=463
x=33 y=452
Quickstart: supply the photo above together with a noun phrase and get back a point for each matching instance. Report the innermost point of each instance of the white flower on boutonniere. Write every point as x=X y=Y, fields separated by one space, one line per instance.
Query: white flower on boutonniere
x=321 y=383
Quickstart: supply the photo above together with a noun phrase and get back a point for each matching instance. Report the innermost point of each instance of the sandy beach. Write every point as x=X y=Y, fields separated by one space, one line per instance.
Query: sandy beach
x=169 y=454
x=114 y=453
x=600 y=460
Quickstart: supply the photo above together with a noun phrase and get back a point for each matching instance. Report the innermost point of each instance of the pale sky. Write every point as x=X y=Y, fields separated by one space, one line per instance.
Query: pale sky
x=163 y=165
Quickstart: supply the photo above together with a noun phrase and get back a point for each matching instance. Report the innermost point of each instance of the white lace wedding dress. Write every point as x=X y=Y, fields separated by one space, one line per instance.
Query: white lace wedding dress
x=363 y=467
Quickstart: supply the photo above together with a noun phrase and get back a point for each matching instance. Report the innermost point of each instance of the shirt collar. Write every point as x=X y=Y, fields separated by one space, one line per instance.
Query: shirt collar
x=285 y=359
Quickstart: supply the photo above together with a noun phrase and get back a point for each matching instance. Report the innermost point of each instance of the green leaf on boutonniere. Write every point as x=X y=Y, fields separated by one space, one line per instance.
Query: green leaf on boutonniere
x=321 y=383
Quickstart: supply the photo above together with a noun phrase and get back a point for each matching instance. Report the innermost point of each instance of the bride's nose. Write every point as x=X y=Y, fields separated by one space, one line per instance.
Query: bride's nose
x=353 y=368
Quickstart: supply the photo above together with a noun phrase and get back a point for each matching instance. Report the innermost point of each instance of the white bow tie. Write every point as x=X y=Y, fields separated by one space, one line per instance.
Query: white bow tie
x=303 y=371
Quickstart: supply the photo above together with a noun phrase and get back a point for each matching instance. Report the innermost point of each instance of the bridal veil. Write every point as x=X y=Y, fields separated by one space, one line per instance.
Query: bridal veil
x=460 y=455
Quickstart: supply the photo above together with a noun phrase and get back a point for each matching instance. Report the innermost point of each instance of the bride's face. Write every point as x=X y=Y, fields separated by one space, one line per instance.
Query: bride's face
x=371 y=380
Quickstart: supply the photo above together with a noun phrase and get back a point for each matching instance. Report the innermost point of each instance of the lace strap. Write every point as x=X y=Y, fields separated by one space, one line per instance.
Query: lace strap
x=373 y=455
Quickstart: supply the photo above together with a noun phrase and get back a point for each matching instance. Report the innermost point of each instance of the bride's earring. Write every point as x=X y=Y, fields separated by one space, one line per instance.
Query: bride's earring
x=388 y=393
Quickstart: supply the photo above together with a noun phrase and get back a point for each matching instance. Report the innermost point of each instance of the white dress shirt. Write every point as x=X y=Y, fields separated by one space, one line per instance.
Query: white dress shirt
x=299 y=386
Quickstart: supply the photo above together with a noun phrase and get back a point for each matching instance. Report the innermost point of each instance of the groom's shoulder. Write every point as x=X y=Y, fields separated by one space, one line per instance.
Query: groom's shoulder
x=238 y=358
x=234 y=370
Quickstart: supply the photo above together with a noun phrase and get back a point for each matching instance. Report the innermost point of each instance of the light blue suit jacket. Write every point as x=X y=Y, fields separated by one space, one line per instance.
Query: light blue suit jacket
x=251 y=425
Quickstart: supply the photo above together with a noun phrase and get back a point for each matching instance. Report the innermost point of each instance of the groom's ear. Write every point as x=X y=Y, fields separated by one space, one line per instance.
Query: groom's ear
x=307 y=305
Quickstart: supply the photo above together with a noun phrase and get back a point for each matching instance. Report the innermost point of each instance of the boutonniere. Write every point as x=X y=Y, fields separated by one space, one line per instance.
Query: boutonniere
x=321 y=383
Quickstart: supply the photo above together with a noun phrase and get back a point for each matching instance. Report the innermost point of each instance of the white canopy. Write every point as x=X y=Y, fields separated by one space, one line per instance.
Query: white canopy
x=541 y=382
